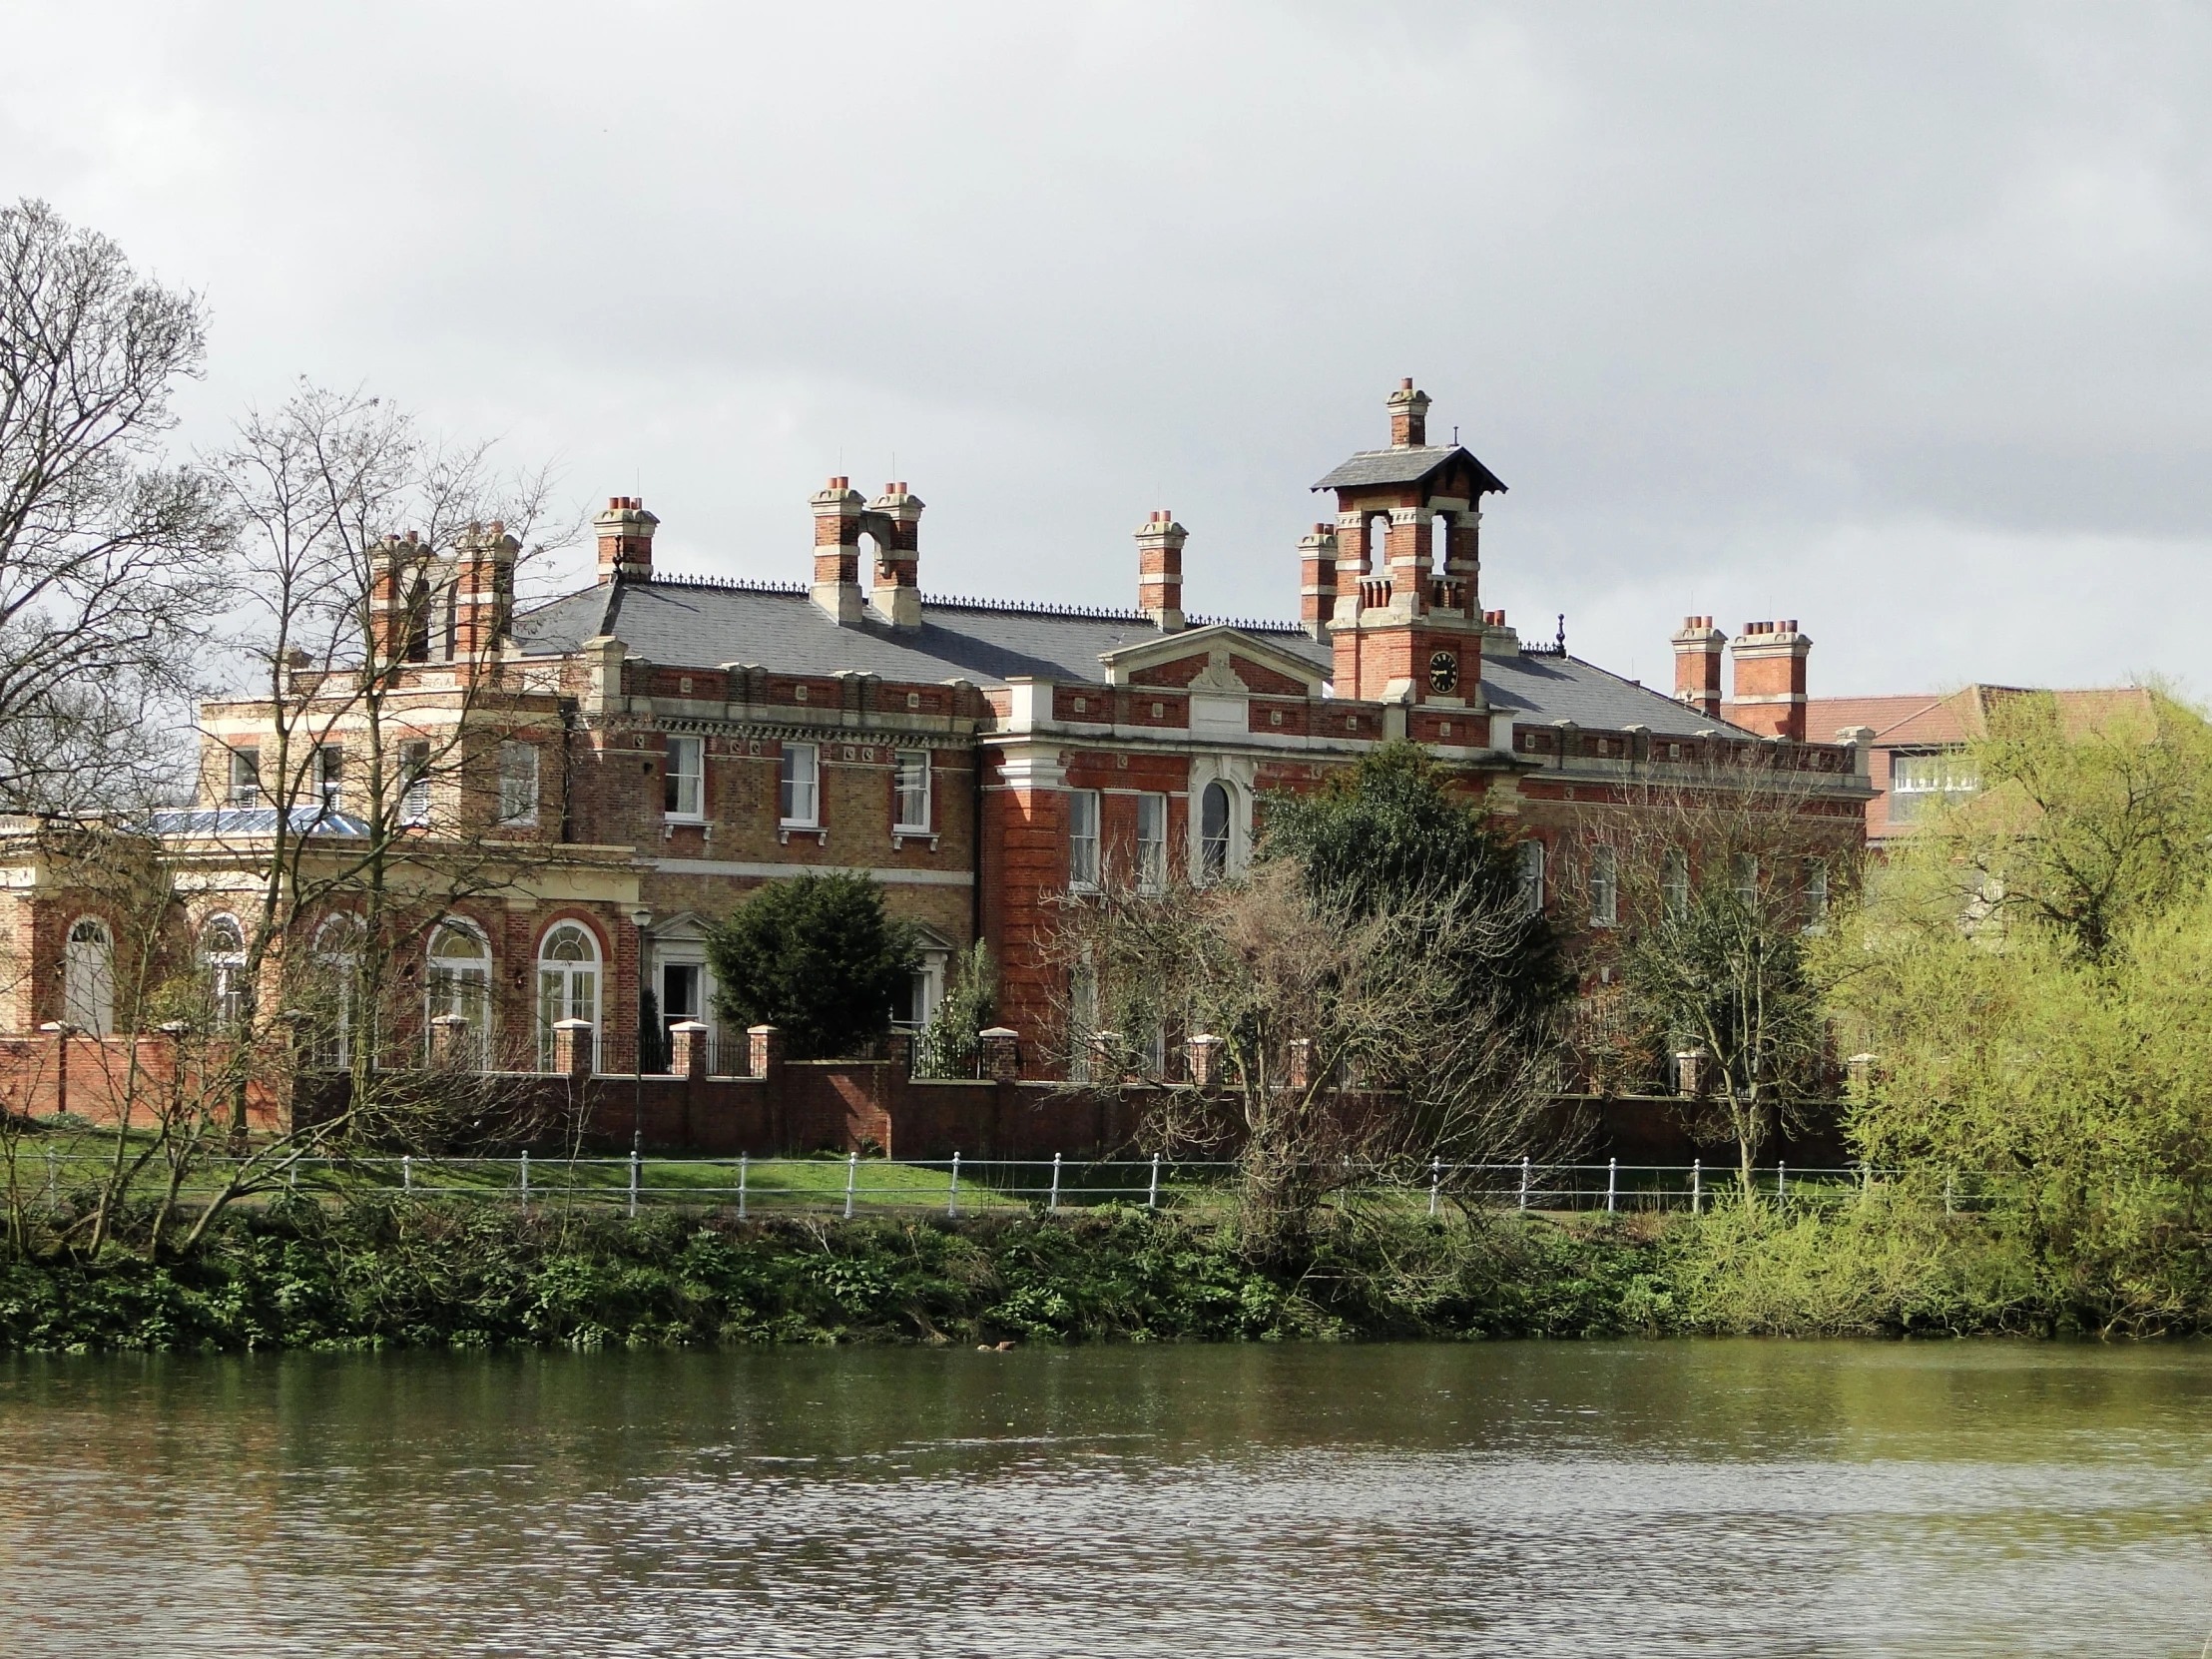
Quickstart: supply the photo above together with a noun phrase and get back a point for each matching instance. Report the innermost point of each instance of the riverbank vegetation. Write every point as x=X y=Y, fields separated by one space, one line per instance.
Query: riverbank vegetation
x=440 y=1274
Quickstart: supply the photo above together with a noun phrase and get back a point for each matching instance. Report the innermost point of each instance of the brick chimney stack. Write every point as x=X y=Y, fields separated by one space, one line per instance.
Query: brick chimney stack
x=1317 y=579
x=1160 y=571
x=625 y=540
x=1770 y=680
x=399 y=600
x=1697 y=665
x=1409 y=416
x=895 y=519
x=484 y=587
x=837 y=509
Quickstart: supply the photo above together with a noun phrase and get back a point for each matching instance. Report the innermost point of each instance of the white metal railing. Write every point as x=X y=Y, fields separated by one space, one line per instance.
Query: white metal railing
x=962 y=1185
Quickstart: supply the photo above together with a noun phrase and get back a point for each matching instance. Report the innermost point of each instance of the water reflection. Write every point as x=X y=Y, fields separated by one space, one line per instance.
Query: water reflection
x=1667 y=1498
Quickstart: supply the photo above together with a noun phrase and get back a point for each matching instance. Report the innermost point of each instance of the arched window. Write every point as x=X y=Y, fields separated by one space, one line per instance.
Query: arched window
x=568 y=984
x=1212 y=846
x=460 y=983
x=223 y=958
x=335 y=996
x=87 y=977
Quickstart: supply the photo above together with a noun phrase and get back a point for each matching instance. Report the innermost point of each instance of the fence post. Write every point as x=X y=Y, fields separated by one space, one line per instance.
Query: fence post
x=1054 y=1206
x=852 y=1171
x=1435 y=1181
x=50 y=1178
x=1612 y=1182
x=1950 y=1190
x=741 y=1184
x=952 y=1192
x=633 y=1183
x=1152 y=1198
x=407 y=1172
x=1697 y=1186
x=526 y=1183
x=1525 y=1182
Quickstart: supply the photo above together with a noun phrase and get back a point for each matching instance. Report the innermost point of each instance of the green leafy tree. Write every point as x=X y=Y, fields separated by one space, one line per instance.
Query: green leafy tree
x=1391 y=837
x=949 y=1045
x=817 y=956
x=2033 y=973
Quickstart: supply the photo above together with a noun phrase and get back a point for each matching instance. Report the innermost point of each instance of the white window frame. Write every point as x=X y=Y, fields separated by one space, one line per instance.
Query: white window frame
x=1084 y=866
x=1673 y=883
x=518 y=783
x=1217 y=854
x=1930 y=775
x=414 y=783
x=1744 y=873
x=338 y=958
x=911 y=806
x=1816 y=895
x=1605 y=887
x=684 y=780
x=463 y=990
x=1152 y=843
x=568 y=988
x=226 y=966
x=245 y=788
x=799 y=758
x=1531 y=876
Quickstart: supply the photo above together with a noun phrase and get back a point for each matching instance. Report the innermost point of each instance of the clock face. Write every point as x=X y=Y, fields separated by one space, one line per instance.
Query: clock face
x=1443 y=673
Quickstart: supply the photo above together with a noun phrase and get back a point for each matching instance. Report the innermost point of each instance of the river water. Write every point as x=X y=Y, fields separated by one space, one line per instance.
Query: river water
x=1654 y=1499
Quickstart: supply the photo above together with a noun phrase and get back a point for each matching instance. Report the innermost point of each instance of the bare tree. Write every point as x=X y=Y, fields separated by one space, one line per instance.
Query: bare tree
x=385 y=662
x=1344 y=1057
x=114 y=568
x=151 y=1156
x=1708 y=886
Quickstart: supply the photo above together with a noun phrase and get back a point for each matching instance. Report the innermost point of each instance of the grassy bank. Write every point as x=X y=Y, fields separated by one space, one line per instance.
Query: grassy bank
x=432 y=1274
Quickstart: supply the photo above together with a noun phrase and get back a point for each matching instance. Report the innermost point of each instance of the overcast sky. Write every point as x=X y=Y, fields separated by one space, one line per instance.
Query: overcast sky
x=1896 y=321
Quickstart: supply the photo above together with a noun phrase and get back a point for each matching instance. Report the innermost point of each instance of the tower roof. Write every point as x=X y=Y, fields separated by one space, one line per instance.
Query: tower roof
x=1408 y=464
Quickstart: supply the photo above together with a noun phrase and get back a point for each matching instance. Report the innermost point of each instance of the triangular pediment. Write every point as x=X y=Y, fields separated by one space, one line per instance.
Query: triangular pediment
x=1218 y=642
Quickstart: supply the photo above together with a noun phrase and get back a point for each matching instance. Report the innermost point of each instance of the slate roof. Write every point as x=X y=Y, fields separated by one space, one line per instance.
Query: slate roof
x=1539 y=689
x=1406 y=465
x=700 y=625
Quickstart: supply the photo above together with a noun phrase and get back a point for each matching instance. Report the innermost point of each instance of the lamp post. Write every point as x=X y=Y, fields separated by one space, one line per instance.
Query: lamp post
x=639 y=917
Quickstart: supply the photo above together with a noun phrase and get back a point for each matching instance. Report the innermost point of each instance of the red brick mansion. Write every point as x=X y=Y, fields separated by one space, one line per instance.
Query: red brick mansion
x=670 y=742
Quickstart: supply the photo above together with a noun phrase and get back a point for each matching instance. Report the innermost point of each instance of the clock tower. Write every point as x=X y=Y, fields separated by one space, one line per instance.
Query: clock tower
x=1409 y=623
